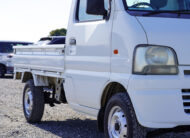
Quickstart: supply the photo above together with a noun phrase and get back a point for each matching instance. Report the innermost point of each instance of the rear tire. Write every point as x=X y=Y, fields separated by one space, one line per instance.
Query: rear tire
x=33 y=102
x=120 y=119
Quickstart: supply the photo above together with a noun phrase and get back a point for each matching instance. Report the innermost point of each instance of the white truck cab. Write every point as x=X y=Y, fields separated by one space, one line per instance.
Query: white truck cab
x=125 y=62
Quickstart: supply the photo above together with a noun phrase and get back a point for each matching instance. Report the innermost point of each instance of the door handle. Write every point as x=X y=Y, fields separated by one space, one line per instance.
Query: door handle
x=72 y=41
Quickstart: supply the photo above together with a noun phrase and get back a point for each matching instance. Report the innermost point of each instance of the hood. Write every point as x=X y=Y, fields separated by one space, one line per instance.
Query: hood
x=171 y=32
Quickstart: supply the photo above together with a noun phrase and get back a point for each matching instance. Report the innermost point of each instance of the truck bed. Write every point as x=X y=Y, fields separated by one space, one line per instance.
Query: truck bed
x=41 y=60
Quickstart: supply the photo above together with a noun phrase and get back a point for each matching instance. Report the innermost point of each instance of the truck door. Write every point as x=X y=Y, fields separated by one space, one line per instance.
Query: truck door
x=88 y=54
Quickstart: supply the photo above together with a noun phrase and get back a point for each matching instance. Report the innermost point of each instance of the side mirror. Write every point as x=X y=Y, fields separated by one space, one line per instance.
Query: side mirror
x=96 y=7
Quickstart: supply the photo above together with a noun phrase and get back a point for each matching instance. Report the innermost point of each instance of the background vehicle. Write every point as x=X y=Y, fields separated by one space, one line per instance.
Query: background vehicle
x=6 y=54
x=125 y=62
x=51 y=40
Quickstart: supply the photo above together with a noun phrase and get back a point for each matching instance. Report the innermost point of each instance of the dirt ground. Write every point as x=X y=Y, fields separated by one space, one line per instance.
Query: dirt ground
x=60 y=121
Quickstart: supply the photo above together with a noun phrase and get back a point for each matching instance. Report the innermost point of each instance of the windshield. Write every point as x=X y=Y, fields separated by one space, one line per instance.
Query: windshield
x=158 y=5
x=43 y=42
x=50 y=41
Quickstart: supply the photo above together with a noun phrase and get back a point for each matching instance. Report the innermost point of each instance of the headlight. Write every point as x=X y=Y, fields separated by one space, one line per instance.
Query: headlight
x=155 y=60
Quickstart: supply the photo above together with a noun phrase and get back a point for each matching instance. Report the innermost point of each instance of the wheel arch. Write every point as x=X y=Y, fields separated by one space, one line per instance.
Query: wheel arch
x=3 y=65
x=110 y=89
x=26 y=76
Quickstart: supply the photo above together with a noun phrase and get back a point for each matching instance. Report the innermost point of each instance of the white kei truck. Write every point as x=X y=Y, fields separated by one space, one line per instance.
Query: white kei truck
x=126 y=62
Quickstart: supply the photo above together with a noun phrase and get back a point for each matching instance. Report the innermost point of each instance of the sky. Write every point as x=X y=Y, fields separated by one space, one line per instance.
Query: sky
x=29 y=20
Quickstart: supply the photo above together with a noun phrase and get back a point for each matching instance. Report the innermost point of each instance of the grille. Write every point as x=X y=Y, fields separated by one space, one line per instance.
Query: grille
x=186 y=100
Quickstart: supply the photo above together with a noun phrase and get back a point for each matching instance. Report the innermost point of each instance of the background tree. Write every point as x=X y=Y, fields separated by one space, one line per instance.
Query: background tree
x=58 y=32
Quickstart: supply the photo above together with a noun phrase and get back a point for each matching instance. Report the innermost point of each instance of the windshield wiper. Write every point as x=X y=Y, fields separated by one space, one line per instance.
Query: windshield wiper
x=181 y=11
x=159 y=12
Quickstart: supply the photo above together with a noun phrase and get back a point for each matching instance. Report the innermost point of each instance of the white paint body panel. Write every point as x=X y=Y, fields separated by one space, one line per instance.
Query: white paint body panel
x=90 y=65
x=158 y=99
x=46 y=60
x=176 y=35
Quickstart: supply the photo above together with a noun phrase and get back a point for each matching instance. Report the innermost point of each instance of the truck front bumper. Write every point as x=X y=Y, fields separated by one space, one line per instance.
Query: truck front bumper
x=161 y=101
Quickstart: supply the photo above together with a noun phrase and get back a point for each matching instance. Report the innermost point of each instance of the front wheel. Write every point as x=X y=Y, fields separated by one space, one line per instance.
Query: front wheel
x=33 y=102
x=120 y=119
x=2 y=72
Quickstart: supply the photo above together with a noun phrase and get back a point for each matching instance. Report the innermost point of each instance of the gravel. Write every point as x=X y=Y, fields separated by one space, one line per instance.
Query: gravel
x=60 y=121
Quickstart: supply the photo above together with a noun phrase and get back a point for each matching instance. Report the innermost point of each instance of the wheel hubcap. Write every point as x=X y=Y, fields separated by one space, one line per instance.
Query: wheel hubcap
x=117 y=123
x=28 y=102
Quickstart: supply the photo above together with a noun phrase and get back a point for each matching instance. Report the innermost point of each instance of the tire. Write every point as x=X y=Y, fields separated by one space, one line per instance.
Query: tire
x=2 y=75
x=2 y=72
x=33 y=102
x=120 y=119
